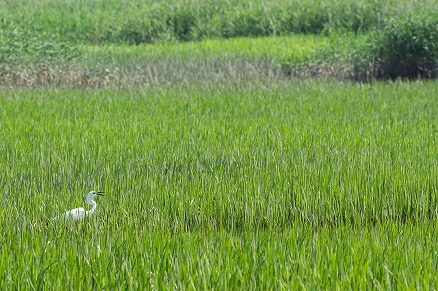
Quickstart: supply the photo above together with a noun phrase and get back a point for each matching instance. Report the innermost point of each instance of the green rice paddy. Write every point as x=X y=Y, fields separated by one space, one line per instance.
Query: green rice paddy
x=233 y=147
x=278 y=185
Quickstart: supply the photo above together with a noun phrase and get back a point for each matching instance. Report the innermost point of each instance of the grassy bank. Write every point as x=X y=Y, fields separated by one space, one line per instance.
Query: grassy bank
x=124 y=66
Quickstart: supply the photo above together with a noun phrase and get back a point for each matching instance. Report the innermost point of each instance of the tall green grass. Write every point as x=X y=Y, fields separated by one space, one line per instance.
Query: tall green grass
x=232 y=185
x=406 y=47
x=47 y=42
x=138 y=21
x=23 y=44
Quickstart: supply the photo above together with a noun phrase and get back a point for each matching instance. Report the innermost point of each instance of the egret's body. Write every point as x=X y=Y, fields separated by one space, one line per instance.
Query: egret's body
x=79 y=213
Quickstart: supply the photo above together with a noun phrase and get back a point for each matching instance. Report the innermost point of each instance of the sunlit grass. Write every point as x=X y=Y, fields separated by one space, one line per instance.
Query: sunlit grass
x=234 y=185
x=296 y=47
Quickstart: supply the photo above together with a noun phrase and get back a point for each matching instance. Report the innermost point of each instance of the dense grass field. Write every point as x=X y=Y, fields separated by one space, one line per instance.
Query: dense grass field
x=249 y=184
x=235 y=150
x=139 y=21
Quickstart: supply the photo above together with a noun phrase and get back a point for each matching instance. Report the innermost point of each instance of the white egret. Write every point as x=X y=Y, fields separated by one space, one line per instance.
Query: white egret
x=79 y=213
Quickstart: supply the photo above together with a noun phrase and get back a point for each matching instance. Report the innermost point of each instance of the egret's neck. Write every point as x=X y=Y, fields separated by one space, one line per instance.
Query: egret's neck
x=93 y=206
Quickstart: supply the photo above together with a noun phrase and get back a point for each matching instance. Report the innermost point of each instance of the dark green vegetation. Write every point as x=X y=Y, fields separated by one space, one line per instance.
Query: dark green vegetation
x=274 y=184
x=407 y=47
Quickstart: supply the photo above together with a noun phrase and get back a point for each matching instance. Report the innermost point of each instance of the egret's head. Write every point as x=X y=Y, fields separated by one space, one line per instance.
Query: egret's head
x=93 y=194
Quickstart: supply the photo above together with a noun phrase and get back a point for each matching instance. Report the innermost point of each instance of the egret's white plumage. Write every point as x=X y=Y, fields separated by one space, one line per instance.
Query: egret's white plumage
x=79 y=213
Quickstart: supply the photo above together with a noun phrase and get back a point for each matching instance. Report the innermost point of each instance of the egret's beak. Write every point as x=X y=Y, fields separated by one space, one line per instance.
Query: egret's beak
x=100 y=193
